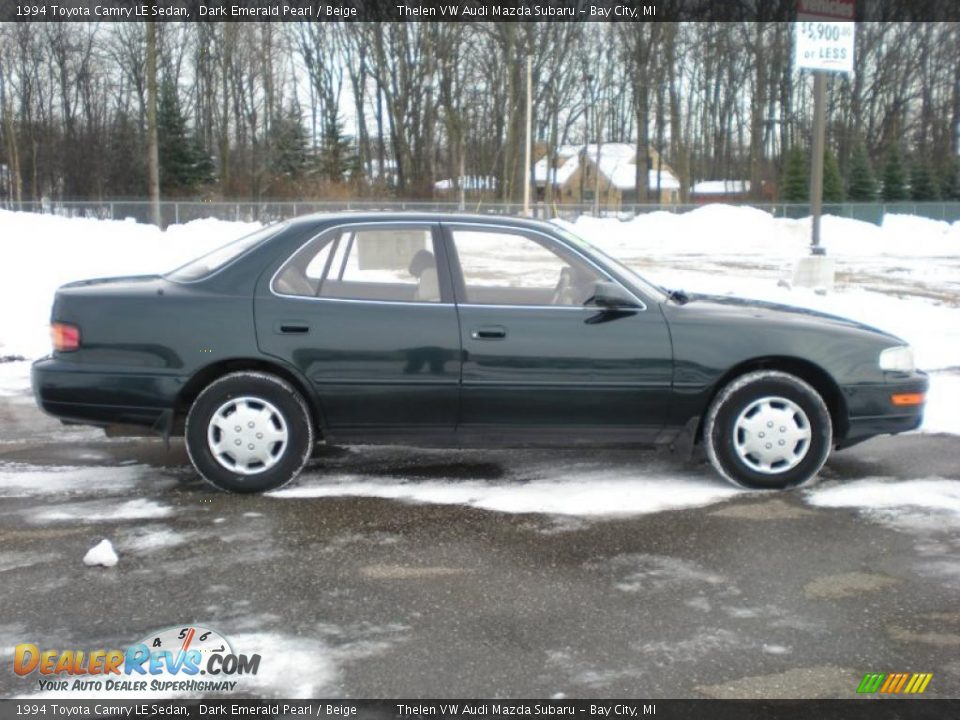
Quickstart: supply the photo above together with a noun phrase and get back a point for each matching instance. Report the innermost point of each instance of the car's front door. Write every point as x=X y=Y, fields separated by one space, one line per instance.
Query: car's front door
x=538 y=358
x=363 y=313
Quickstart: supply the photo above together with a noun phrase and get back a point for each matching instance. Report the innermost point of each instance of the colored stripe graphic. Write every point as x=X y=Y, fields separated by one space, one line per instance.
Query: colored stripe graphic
x=895 y=683
x=918 y=683
x=871 y=682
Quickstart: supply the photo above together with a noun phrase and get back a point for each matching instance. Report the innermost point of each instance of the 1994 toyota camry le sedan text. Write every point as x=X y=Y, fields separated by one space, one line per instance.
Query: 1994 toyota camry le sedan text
x=441 y=330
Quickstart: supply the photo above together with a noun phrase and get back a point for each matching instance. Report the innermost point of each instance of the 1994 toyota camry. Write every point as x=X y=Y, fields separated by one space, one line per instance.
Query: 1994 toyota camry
x=440 y=330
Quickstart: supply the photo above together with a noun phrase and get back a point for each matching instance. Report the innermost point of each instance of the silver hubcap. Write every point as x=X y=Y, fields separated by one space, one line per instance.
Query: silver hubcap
x=247 y=435
x=772 y=435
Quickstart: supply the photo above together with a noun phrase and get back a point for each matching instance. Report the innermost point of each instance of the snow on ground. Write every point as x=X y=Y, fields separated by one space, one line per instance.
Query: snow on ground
x=923 y=503
x=24 y=480
x=96 y=511
x=14 y=378
x=902 y=276
x=603 y=492
x=942 y=413
x=298 y=668
x=149 y=539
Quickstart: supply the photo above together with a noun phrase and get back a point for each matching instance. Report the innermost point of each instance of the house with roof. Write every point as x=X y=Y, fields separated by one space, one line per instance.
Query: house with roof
x=575 y=170
x=476 y=186
x=720 y=191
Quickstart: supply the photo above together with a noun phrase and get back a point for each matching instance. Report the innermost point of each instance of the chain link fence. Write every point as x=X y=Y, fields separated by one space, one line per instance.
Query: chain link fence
x=174 y=212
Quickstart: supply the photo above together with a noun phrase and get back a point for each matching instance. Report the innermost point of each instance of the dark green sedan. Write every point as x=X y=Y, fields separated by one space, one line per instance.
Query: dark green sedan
x=445 y=330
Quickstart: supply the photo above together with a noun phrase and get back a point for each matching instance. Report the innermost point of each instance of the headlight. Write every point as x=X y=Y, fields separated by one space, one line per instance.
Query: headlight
x=897 y=359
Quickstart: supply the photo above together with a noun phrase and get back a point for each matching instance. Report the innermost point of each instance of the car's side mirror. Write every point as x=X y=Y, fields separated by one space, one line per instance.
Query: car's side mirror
x=610 y=295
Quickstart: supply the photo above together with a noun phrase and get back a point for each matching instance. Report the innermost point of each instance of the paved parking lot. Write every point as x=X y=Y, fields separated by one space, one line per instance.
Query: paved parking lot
x=395 y=573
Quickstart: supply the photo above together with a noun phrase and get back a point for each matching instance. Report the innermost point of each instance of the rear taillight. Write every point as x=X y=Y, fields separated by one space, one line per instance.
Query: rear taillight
x=66 y=338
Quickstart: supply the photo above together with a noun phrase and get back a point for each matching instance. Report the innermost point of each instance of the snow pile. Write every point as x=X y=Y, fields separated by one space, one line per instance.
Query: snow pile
x=101 y=554
x=42 y=252
x=756 y=234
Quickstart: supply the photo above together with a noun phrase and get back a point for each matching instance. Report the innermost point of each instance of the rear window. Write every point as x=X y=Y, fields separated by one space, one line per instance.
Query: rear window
x=216 y=259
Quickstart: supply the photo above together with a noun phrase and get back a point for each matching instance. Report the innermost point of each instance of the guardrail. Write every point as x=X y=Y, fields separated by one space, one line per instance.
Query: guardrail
x=182 y=211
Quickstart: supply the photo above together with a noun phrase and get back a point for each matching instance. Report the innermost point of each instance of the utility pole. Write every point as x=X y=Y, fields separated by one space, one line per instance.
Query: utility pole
x=527 y=158
x=596 y=191
x=816 y=166
x=463 y=177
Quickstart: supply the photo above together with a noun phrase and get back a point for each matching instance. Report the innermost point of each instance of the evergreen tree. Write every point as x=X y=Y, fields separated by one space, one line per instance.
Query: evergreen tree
x=337 y=158
x=289 y=156
x=950 y=180
x=184 y=164
x=923 y=187
x=862 y=186
x=832 y=180
x=894 y=180
x=795 y=186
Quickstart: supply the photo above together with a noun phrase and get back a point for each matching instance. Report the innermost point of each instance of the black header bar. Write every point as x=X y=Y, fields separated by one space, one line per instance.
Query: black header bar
x=457 y=10
x=858 y=709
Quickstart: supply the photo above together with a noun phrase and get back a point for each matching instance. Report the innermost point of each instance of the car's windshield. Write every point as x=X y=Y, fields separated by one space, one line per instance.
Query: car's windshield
x=216 y=259
x=643 y=284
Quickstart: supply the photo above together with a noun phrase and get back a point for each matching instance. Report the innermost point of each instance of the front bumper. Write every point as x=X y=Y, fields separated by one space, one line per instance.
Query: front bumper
x=78 y=394
x=871 y=412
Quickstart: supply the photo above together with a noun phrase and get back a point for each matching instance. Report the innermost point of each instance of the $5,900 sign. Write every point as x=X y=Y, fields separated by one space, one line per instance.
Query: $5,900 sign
x=824 y=46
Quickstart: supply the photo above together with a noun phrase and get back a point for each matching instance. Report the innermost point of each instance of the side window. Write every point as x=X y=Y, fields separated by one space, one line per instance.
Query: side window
x=364 y=264
x=512 y=268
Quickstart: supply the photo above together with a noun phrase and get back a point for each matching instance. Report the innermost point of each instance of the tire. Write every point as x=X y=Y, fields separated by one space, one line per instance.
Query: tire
x=266 y=448
x=768 y=430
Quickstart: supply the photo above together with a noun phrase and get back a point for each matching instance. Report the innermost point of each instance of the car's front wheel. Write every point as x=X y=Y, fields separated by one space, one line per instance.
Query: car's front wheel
x=768 y=430
x=249 y=432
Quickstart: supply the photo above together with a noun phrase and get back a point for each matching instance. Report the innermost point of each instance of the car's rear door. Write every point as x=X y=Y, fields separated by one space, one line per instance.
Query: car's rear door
x=537 y=362
x=363 y=313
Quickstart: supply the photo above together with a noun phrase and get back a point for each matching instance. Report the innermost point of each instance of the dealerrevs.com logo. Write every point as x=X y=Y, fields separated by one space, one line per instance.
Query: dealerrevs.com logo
x=178 y=659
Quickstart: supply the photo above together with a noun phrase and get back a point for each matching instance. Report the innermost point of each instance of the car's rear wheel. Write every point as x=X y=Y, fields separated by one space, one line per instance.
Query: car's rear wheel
x=768 y=430
x=249 y=432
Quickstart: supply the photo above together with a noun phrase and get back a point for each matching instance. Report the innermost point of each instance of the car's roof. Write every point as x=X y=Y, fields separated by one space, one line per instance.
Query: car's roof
x=417 y=216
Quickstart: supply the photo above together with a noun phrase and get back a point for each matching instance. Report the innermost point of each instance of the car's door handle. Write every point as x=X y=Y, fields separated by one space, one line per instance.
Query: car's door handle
x=292 y=327
x=489 y=332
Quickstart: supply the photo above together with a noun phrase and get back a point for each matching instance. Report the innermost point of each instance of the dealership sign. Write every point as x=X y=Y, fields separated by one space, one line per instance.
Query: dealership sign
x=823 y=35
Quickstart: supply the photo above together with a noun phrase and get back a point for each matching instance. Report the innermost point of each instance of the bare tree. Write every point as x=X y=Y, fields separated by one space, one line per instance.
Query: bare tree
x=153 y=151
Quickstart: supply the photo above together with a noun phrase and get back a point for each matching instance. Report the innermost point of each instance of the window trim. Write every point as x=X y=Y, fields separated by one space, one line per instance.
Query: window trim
x=439 y=248
x=456 y=273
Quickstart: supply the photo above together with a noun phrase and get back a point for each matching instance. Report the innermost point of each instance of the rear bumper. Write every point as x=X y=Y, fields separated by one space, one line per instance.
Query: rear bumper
x=871 y=411
x=75 y=394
